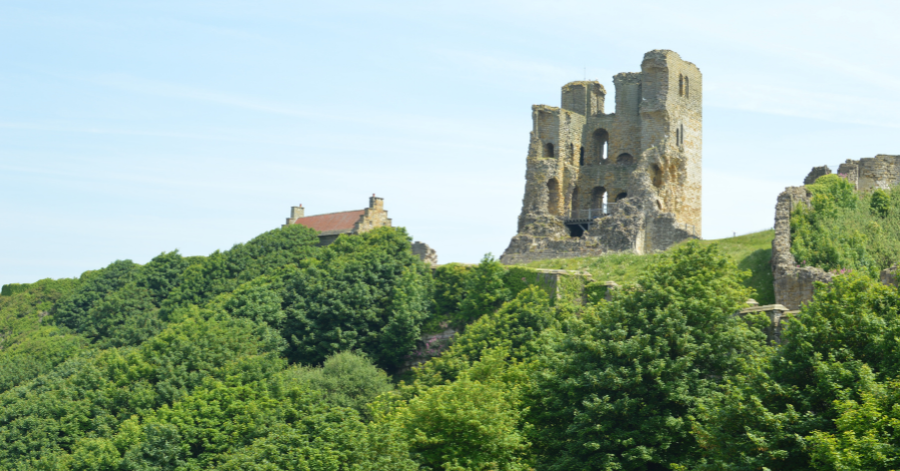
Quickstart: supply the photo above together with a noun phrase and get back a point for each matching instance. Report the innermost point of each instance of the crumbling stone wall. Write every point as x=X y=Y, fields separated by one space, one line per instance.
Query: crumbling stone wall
x=645 y=157
x=426 y=253
x=794 y=284
x=881 y=171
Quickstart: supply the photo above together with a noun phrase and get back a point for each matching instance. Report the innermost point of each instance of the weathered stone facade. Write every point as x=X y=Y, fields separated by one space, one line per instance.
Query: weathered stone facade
x=330 y=226
x=625 y=181
x=794 y=284
x=426 y=253
x=881 y=171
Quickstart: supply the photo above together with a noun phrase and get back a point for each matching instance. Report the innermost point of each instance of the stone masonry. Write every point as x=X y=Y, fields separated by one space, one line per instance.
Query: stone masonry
x=624 y=181
x=794 y=283
x=332 y=225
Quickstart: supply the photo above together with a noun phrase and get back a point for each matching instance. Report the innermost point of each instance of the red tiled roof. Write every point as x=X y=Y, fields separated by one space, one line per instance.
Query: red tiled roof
x=343 y=221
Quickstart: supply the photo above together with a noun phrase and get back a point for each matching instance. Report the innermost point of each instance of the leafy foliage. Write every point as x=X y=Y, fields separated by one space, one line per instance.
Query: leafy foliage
x=486 y=291
x=367 y=293
x=846 y=230
x=619 y=390
x=346 y=379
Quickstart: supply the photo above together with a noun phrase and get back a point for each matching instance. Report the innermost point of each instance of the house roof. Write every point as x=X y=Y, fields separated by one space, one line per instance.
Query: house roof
x=332 y=222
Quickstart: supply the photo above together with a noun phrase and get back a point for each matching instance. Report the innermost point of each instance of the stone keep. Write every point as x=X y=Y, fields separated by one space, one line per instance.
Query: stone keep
x=623 y=181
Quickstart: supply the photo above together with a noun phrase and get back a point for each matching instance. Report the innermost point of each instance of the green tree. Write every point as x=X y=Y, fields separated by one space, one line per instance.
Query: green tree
x=463 y=425
x=73 y=310
x=516 y=327
x=485 y=291
x=841 y=341
x=346 y=379
x=366 y=292
x=619 y=391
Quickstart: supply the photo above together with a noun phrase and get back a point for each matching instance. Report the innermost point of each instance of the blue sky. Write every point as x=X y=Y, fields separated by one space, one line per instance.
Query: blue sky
x=132 y=128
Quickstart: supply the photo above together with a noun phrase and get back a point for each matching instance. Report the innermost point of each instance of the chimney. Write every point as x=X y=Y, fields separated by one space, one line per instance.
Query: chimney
x=376 y=202
x=296 y=213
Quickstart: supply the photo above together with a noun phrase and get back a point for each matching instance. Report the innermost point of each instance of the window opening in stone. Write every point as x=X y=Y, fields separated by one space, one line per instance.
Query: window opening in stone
x=625 y=159
x=621 y=196
x=581 y=157
x=680 y=85
x=548 y=149
x=571 y=151
x=574 y=203
x=658 y=205
x=687 y=88
x=677 y=137
x=600 y=144
x=656 y=175
x=553 y=197
x=598 y=200
x=682 y=135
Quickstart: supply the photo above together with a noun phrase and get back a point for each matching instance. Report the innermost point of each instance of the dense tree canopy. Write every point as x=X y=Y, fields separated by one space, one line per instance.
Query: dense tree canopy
x=278 y=354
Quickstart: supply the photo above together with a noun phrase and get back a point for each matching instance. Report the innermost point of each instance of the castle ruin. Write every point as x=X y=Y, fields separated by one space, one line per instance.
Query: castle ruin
x=624 y=181
x=795 y=284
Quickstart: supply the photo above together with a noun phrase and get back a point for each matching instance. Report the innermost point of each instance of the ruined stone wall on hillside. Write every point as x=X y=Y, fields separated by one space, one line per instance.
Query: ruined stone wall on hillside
x=624 y=181
x=881 y=171
x=794 y=284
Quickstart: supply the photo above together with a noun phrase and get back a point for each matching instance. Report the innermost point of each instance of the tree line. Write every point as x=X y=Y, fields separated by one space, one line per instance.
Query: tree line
x=281 y=355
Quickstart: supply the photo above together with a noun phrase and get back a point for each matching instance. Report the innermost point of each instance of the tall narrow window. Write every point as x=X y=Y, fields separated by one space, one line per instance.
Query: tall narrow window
x=581 y=157
x=553 y=197
x=682 y=134
x=687 y=88
x=600 y=143
x=680 y=85
x=548 y=150
x=677 y=136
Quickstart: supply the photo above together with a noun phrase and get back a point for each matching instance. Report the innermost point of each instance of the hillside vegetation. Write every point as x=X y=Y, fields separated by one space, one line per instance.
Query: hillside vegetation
x=751 y=252
x=281 y=355
x=847 y=230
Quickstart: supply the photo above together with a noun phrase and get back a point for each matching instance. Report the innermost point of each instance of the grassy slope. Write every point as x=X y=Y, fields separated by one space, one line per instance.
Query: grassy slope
x=750 y=252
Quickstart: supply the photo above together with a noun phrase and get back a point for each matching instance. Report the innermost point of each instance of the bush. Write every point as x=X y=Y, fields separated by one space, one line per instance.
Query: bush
x=845 y=230
x=346 y=379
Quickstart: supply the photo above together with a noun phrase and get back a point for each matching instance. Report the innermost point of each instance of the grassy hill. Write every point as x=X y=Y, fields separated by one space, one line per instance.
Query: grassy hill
x=750 y=252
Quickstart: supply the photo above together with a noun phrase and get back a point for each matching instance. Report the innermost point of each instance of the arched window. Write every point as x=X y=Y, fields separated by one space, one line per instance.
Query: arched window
x=553 y=197
x=600 y=143
x=621 y=196
x=625 y=159
x=581 y=157
x=656 y=175
x=548 y=150
x=598 y=198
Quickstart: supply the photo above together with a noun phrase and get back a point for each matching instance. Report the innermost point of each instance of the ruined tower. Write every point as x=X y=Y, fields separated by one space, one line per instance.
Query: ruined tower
x=624 y=181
